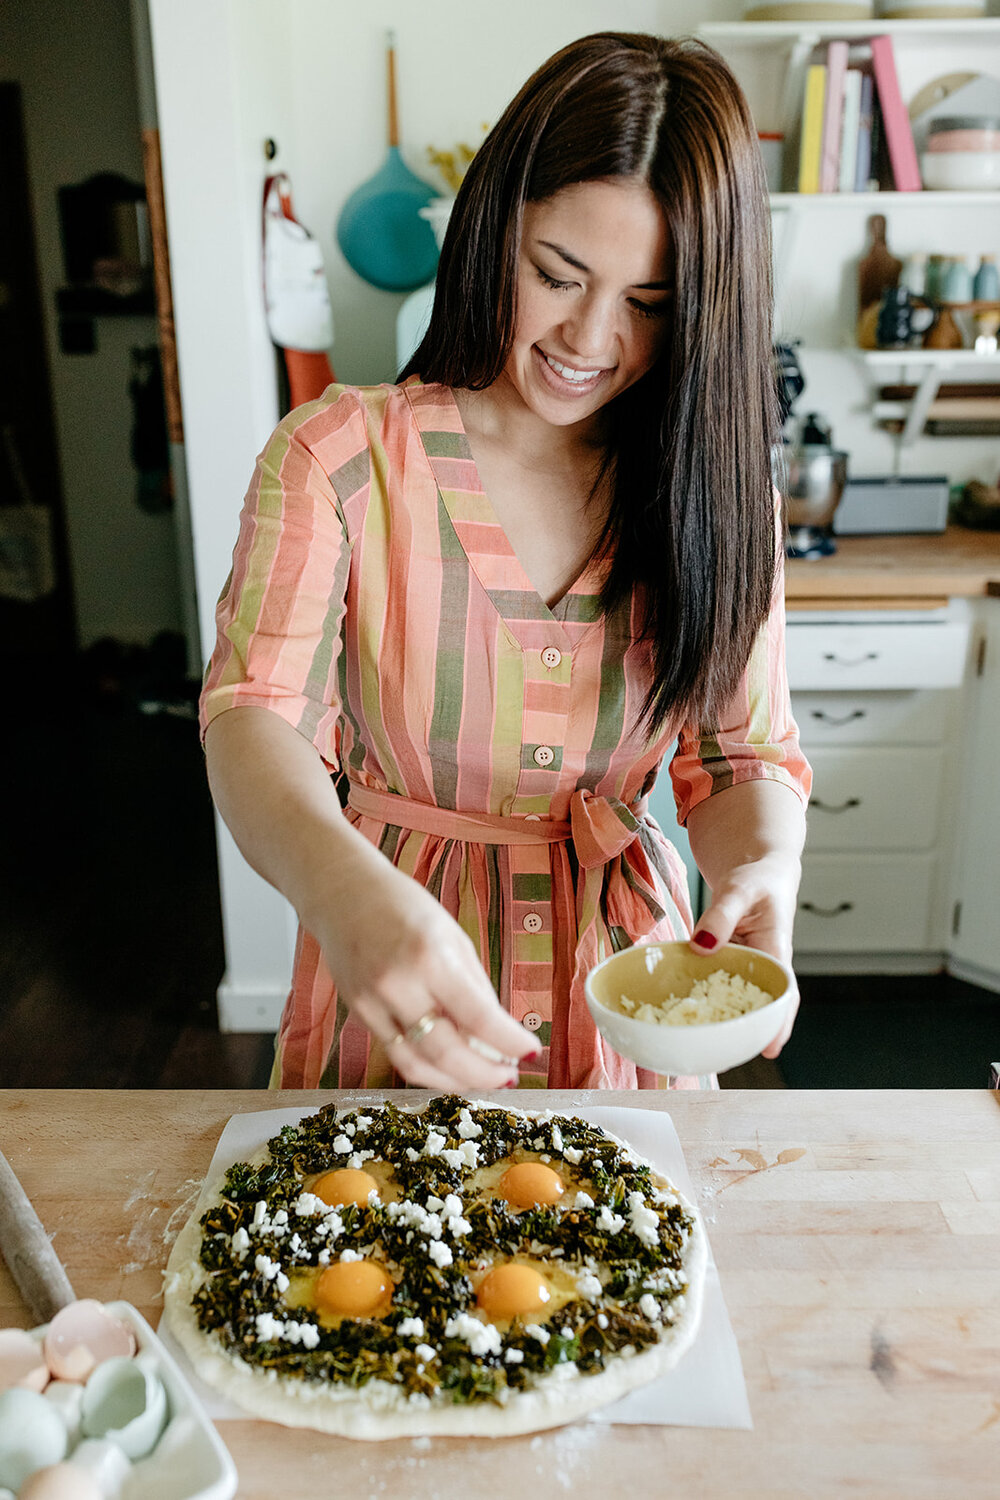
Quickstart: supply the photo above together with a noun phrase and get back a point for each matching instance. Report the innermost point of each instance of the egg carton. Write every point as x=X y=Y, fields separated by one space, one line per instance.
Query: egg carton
x=188 y=1460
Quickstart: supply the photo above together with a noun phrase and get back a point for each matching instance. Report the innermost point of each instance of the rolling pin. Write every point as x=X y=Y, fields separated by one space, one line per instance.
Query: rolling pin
x=24 y=1245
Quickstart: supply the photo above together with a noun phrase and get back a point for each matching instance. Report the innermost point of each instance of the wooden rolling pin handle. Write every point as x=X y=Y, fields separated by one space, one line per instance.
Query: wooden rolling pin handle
x=34 y=1265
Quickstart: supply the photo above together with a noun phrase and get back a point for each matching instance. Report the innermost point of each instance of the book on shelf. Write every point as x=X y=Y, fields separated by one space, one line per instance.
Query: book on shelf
x=895 y=120
x=854 y=131
x=849 y=131
x=811 y=143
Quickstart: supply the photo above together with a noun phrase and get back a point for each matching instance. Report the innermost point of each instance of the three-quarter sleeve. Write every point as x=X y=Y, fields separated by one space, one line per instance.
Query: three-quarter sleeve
x=756 y=739
x=280 y=613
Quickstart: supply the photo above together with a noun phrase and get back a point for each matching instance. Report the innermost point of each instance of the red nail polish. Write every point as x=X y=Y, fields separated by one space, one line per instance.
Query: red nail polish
x=511 y=1084
x=531 y=1056
x=705 y=940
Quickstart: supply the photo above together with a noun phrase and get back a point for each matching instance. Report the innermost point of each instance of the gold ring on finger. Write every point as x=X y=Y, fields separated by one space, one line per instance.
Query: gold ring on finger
x=416 y=1033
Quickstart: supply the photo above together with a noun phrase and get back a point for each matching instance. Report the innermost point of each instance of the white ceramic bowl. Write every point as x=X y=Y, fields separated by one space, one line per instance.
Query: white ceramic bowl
x=961 y=171
x=711 y=1048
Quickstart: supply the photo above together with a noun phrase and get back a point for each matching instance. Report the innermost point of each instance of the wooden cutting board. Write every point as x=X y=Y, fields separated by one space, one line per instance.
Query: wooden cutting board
x=856 y=1239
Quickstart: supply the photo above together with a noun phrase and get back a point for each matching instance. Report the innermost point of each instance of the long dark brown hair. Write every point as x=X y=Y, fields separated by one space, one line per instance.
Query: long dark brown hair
x=691 y=517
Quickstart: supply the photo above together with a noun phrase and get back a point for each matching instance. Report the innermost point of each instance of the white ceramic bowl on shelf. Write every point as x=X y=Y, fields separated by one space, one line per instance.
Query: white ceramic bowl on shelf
x=961 y=171
x=650 y=972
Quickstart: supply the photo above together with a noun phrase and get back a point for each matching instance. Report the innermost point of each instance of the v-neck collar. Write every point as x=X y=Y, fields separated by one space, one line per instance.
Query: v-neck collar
x=446 y=445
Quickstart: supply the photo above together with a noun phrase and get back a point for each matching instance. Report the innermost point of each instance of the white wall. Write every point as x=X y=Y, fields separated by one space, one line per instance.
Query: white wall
x=75 y=67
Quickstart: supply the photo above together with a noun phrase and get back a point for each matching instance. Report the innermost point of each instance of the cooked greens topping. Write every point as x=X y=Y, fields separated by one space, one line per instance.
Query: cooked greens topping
x=268 y=1228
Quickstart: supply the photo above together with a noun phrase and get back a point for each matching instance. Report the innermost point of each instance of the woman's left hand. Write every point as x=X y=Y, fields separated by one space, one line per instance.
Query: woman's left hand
x=755 y=905
x=747 y=841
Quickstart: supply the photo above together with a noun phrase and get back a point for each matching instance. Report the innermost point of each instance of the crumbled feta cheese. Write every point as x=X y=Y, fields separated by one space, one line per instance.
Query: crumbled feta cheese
x=513 y=1356
x=572 y=1155
x=566 y=1333
x=598 y=1164
x=583 y=1200
x=602 y=1321
x=350 y=1128
x=259 y=1213
x=536 y=1331
x=468 y=1130
x=451 y=1207
x=470 y=1153
x=349 y=1255
x=281 y=1217
x=643 y=1221
x=412 y=1155
x=342 y=1145
x=589 y=1286
x=268 y=1327
x=557 y=1140
x=434 y=1143
x=411 y=1328
x=609 y=1221
x=545 y=1156
x=459 y=1226
x=482 y=1338
x=425 y=1353
x=364 y=1121
x=439 y=1252
x=308 y=1206
x=649 y=1307
x=433 y=1204
x=323 y=1258
x=295 y=1243
x=415 y=1216
x=454 y=1158
x=240 y=1243
x=269 y=1269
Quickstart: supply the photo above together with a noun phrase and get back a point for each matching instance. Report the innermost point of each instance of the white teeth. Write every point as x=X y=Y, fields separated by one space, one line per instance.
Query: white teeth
x=574 y=376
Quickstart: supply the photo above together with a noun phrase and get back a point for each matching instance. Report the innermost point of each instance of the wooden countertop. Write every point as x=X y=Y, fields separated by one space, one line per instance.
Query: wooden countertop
x=897 y=572
x=862 y=1280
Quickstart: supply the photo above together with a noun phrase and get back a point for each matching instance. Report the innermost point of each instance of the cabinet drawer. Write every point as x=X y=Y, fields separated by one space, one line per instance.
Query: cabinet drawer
x=918 y=655
x=874 y=799
x=903 y=718
x=879 y=903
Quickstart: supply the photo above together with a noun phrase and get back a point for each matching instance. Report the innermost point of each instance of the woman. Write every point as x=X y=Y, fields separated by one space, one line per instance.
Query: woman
x=494 y=595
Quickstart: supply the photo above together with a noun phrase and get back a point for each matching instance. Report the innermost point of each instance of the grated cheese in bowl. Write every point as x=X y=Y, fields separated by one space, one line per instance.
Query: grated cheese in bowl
x=720 y=996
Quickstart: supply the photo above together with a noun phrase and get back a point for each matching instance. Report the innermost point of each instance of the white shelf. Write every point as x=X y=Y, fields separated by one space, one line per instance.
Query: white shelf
x=927 y=198
x=943 y=359
x=932 y=364
x=761 y=33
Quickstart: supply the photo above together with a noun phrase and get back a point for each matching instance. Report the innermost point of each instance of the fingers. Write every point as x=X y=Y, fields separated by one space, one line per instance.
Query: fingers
x=440 y=1058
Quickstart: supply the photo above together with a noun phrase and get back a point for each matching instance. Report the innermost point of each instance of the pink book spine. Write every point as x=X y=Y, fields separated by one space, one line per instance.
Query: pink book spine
x=833 y=112
x=895 y=119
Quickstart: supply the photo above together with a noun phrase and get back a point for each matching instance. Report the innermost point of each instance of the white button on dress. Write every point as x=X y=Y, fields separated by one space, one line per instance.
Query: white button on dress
x=533 y=1021
x=544 y=755
x=531 y=922
x=551 y=657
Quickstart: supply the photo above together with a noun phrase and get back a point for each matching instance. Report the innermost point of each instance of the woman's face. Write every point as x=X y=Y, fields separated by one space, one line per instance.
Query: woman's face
x=593 y=297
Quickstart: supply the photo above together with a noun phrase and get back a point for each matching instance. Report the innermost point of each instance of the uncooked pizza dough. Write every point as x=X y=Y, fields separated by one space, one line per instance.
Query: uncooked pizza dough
x=465 y=1269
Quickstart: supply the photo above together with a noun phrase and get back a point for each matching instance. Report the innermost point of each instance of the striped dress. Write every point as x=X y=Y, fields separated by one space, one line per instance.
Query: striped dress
x=490 y=741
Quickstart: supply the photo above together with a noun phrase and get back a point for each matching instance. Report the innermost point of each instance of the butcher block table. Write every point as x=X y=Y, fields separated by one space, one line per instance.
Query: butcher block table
x=857 y=1236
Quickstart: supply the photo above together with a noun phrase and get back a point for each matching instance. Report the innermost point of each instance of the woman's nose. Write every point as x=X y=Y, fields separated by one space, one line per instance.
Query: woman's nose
x=589 y=328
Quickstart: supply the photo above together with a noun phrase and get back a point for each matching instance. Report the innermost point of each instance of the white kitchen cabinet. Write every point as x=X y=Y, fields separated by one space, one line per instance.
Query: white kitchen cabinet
x=974 y=944
x=879 y=703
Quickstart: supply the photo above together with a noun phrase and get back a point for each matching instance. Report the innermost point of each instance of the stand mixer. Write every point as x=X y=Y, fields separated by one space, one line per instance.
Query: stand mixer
x=808 y=470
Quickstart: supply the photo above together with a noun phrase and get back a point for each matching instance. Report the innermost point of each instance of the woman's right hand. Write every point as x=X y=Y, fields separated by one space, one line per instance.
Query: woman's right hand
x=397 y=957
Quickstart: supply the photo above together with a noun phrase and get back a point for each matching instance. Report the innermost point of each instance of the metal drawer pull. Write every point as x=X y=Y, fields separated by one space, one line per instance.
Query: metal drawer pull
x=828 y=807
x=848 y=661
x=825 y=911
x=819 y=713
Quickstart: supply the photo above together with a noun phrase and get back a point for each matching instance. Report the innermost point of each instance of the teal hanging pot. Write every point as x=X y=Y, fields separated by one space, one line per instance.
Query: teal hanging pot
x=380 y=231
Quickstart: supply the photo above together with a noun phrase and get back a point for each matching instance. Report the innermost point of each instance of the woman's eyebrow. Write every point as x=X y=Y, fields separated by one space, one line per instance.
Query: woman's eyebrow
x=640 y=286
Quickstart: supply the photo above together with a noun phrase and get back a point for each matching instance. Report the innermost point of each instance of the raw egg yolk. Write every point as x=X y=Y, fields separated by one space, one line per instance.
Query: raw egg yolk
x=346 y=1185
x=510 y=1291
x=354 y=1289
x=530 y=1183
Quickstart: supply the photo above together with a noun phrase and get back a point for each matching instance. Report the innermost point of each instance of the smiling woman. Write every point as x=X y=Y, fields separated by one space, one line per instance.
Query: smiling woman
x=494 y=595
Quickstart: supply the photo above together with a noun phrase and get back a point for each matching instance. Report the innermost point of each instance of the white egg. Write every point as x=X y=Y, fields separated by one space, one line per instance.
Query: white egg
x=125 y=1401
x=61 y=1482
x=105 y=1462
x=67 y=1398
x=32 y=1434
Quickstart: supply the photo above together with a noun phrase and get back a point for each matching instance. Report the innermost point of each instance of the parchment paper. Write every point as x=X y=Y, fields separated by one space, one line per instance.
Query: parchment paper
x=706 y=1389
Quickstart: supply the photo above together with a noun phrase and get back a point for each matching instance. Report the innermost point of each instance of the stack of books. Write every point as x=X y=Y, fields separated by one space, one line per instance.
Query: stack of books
x=855 y=131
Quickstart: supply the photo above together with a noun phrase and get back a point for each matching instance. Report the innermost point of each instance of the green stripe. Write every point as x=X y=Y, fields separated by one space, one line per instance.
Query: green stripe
x=449 y=664
x=446 y=445
x=352 y=476
x=532 y=887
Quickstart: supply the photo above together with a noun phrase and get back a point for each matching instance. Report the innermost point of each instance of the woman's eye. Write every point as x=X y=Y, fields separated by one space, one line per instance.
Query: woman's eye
x=649 y=309
x=559 y=286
